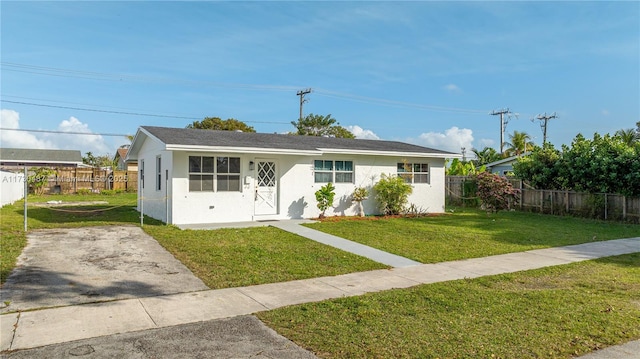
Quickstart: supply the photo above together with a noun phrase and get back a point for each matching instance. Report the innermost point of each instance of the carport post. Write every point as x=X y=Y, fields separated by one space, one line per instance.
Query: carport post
x=141 y=189
x=26 y=192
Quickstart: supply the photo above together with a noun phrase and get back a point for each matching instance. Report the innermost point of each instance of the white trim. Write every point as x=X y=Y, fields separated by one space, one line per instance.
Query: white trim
x=390 y=153
x=255 y=150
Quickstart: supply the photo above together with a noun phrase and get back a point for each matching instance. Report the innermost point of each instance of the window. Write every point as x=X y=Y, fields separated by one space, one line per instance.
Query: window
x=228 y=173
x=333 y=171
x=159 y=173
x=414 y=172
x=218 y=174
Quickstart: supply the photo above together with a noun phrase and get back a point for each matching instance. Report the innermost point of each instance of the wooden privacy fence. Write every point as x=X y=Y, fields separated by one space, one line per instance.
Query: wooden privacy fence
x=606 y=206
x=72 y=180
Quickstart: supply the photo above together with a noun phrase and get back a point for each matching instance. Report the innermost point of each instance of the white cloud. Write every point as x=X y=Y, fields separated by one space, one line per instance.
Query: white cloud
x=40 y=140
x=451 y=140
x=361 y=133
x=19 y=139
x=452 y=88
x=605 y=112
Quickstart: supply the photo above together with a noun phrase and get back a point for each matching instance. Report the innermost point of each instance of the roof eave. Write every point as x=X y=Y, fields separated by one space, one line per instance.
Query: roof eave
x=231 y=149
x=390 y=153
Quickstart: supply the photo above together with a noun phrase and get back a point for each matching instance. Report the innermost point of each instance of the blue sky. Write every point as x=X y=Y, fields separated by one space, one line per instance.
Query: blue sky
x=422 y=72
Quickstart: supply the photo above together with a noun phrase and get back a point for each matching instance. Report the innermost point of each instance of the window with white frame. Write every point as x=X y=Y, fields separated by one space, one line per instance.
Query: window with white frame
x=326 y=171
x=219 y=174
x=158 y=173
x=414 y=172
x=228 y=174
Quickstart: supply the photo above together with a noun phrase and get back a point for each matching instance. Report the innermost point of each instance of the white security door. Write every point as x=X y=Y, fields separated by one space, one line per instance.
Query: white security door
x=266 y=198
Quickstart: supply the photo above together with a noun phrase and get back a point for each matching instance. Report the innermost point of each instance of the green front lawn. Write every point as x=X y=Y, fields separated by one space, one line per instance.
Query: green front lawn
x=555 y=312
x=471 y=233
x=226 y=258
x=221 y=258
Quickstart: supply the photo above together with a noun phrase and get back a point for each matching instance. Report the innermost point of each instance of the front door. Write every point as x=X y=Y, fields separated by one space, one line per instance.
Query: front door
x=266 y=198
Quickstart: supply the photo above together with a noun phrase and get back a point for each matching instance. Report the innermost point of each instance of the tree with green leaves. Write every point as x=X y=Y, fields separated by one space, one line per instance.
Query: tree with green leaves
x=318 y=125
x=463 y=168
x=519 y=143
x=540 y=168
x=604 y=164
x=216 y=123
x=486 y=155
x=629 y=135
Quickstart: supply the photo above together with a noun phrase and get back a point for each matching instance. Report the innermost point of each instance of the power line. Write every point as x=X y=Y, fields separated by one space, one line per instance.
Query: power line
x=543 y=124
x=125 y=113
x=301 y=93
x=503 y=124
x=52 y=71
x=66 y=132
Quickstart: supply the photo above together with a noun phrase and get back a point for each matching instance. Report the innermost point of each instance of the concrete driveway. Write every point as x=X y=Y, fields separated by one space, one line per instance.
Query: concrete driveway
x=92 y=264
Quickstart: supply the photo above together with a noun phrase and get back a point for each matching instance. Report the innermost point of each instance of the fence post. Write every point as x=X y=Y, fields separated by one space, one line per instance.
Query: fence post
x=521 y=195
x=542 y=201
x=606 y=208
x=624 y=207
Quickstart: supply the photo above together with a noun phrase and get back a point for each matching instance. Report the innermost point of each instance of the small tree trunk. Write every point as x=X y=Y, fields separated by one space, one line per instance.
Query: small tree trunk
x=360 y=209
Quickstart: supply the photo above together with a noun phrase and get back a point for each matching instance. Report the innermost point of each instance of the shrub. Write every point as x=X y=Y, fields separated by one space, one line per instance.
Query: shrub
x=392 y=194
x=83 y=191
x=40 y=179
x=360 y=194
x=324 y=196
x=496 y=193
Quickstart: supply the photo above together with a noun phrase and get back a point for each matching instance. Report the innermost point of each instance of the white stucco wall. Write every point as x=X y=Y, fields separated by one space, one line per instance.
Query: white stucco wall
x=296 y=188
x=11 y=187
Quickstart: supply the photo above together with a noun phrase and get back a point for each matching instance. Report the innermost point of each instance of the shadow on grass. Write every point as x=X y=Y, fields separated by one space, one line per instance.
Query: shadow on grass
x=84 y=214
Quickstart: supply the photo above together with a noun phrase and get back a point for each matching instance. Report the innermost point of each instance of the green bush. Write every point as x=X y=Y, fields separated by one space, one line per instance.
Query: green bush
x=83 y=191
x=324 y=196
x=392 y=194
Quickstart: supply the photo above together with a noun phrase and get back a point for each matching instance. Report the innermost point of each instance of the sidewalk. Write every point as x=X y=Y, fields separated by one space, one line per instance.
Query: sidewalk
x=63 y=324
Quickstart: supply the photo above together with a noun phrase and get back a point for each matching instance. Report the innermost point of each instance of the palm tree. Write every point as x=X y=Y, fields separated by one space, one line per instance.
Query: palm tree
x=520 y=143
x=628 y=136
x=486 y=155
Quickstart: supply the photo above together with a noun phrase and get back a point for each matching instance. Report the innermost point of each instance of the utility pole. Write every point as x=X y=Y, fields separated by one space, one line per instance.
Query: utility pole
x=464 y=152
x=543 y=124
x=503 y=124
x=301 y=93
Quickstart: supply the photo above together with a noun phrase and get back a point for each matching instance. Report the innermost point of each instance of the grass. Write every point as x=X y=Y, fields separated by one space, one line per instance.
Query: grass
x=472 y=233
x=221 y=258
x=239 y=257
x=555 y=312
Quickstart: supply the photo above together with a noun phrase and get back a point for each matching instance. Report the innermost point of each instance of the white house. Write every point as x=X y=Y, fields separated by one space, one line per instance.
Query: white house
x=191 y=176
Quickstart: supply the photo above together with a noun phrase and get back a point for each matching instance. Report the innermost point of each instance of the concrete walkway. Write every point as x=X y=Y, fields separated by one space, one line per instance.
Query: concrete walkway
x=63 y=324
x=346 y=245
x=294 y=226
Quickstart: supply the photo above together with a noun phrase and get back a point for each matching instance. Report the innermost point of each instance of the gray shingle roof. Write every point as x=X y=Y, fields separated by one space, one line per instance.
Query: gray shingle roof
x=37 y=157
x=196 y=137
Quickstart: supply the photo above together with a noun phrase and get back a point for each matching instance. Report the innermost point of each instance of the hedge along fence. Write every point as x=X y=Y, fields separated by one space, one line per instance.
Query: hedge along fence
x=605 y=206
x=94 y=180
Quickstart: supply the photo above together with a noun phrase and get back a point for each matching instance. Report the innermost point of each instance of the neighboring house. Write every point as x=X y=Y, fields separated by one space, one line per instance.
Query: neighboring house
x=14 y=160
x=191 y=176
x=21 y=157
x=121 y=155
x=504 y=166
